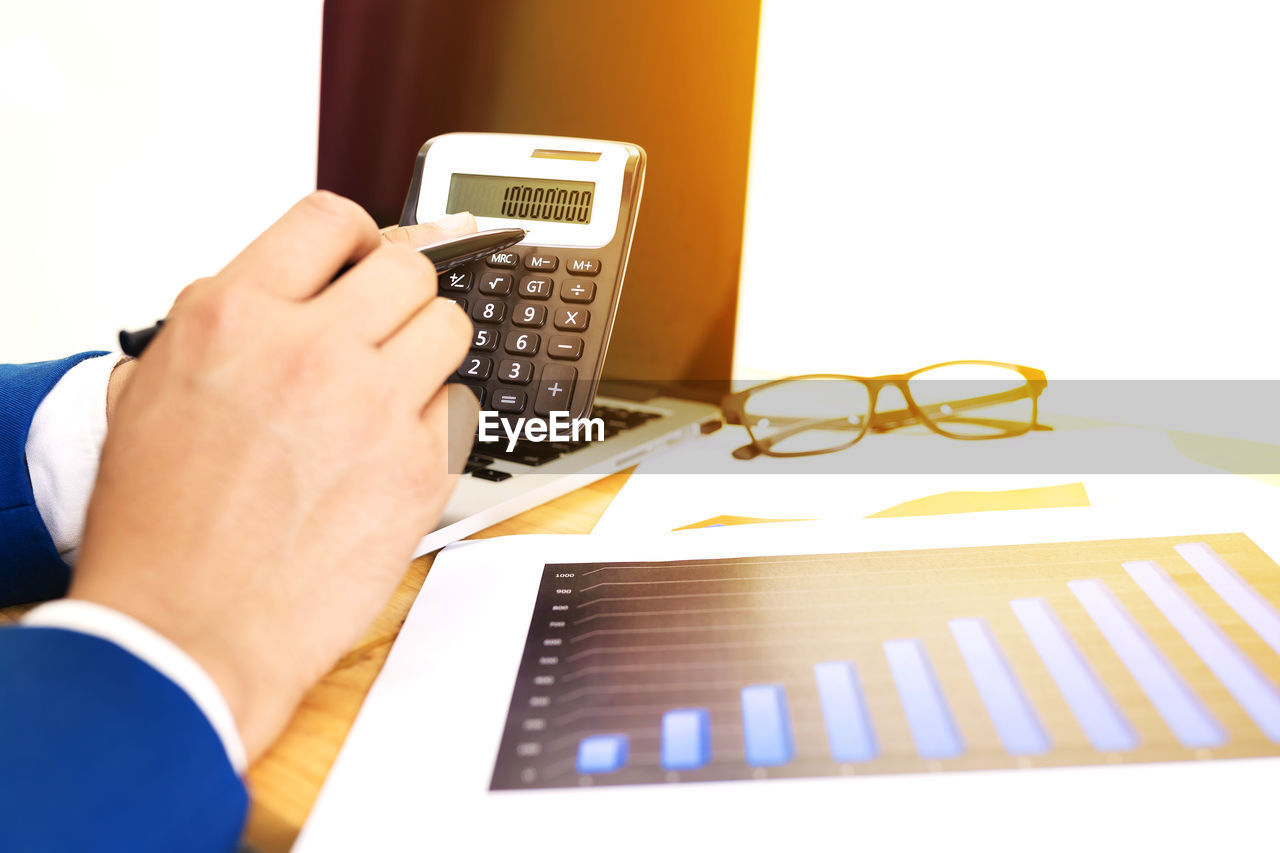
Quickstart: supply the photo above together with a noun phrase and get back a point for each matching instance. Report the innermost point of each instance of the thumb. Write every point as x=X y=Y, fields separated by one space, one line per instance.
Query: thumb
x=427 y=233
x=464 y=411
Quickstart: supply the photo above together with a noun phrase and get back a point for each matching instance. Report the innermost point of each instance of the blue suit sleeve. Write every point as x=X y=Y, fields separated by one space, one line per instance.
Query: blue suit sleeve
x=30 y=567
x=102 y=752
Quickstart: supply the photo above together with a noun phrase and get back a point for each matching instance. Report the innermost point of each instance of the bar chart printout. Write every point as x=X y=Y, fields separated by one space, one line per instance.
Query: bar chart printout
x=1003 y=657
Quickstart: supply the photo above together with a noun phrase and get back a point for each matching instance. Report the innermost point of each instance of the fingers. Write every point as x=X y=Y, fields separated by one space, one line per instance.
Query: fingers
x=377 y=295
x=428 y=348
x=427 y=233
x=298 y=255
x=453 y=410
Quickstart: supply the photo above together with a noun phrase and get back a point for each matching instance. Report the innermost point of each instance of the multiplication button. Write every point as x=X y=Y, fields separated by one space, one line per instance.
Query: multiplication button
x=572 y=319
x=555 y=389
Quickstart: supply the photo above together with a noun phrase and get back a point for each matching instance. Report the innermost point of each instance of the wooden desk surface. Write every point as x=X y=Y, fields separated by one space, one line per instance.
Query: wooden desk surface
x=285 y=781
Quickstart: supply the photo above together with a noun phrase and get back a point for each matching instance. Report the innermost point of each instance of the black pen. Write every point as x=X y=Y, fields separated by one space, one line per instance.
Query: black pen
x=446 y=255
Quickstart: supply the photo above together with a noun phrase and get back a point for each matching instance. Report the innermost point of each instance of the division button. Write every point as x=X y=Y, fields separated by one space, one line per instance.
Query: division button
x=578 y=291
x=542 y=263
x=504 y=260
x=555 y=389
x=584 y=266
x=565 y=347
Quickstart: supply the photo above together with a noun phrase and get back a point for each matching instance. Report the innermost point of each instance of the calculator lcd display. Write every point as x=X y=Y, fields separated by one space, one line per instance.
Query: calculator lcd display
x=521 y=198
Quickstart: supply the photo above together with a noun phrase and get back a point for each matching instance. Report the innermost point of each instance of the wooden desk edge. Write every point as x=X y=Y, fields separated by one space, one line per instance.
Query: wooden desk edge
x=285 y=781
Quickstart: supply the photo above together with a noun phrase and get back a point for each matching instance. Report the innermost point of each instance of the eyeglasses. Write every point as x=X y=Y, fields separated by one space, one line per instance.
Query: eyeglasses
x=824 y=413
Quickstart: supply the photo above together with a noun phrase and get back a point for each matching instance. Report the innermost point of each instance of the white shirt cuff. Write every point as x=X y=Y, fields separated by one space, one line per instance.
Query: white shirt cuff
x=63 y=447
x=153 y=648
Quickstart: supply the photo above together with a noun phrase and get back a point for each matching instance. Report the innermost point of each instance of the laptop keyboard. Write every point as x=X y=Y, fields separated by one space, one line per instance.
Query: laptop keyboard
x=479 y=464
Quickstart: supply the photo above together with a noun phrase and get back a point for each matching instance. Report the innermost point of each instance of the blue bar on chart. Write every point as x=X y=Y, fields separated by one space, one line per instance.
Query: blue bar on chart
x=932 y=726
x=1256 y=611
x=1246 y=684
x=686 y=738
x=1182 y=710
x=602 y=753
x=850 y=734
x=1015 y=720
x=766 y=725
x=1103 y=723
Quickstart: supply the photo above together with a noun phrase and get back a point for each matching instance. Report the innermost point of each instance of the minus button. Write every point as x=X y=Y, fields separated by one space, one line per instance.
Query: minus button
x=565 y=347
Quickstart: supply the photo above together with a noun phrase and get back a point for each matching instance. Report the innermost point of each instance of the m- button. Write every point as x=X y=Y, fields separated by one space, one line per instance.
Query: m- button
x=575 y=319
x=555 y=389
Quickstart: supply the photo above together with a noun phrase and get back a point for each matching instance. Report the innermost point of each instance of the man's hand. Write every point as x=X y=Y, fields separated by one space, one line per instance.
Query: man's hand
x=412 y=236
x=276 y=454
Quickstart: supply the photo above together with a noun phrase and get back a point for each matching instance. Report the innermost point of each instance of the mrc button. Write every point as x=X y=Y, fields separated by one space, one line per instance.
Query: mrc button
x=583 y=266
x=503 y=260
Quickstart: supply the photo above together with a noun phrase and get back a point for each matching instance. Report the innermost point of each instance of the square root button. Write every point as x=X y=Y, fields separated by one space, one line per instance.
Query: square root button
x=555 y=389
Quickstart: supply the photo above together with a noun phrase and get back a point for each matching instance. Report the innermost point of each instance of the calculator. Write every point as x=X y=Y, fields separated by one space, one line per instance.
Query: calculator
x=542 y=310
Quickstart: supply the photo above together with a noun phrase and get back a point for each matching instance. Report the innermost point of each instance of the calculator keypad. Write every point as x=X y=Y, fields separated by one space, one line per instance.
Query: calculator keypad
x=514 y=367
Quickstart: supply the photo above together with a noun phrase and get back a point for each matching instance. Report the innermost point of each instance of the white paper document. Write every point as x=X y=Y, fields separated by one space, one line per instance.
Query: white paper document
x=953 y=682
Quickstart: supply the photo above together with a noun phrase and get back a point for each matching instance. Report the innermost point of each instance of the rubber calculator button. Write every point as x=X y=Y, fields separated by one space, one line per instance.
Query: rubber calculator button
x=487 y=311
x=533 y=316
x=578 y=291
x=584 y=266
x=536 y=287
x=476 y=367
x=555 y=389
x=542 y=263
x=523 y=343
x=495 y=283
x=460 y=301
x=504 y=260
x=486 y=340
x=491 y=474
x=565 y=347
x=478 y=390
x=517 y=371
x=456 y=281
x=511 y=402
x=572 y=319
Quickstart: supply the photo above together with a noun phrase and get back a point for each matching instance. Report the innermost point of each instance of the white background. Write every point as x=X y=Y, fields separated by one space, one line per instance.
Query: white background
x=1092 y=188
x=144 y=143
